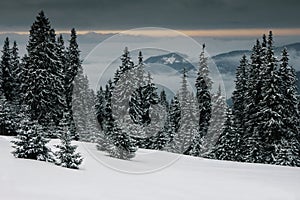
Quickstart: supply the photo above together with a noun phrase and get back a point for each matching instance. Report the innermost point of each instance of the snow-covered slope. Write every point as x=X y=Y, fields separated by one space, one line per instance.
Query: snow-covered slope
x=187 y=178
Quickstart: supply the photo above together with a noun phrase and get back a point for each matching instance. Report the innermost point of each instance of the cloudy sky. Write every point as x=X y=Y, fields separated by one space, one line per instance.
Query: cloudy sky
x=85 y=15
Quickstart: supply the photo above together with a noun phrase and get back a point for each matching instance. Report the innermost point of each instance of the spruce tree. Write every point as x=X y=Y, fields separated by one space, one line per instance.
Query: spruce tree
x=66 y=155
x=100 y=107
x=203 y=69
x=42 y=74
x=188 y=116
x=218 y=117
x=30 y=142
x=228 y=144
x=7 y=78
x=73 y=67
x=287 y=149
x=238 y=95
x=271 y=108
x=163 y=99
x=204 y=105
x=252 y=98
x=10 y=88
x=15 y=71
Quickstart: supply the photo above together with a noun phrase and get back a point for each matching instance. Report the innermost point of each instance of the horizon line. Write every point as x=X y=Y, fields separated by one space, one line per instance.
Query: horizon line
x=235 y=32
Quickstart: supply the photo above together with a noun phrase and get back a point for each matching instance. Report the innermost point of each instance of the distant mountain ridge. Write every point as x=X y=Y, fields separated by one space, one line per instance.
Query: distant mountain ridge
x=173 y=60
x=225 y=62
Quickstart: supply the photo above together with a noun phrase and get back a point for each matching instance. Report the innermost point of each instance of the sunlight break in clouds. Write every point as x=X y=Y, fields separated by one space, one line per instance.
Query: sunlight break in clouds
x=191 y=32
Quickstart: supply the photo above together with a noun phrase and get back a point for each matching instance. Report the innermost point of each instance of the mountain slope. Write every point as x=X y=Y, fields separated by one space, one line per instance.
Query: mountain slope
x=187 y=178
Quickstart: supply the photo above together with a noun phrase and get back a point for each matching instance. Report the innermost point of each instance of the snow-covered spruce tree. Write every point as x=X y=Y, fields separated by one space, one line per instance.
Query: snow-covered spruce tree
x=238 y=96
x=7 y=79
x=100 y=107
x=125 y=82
x=188 y=116
x=287 y=149
x=251 y=100
x=203 y=97
x=147 y=116
x=174 y=121
x=66 y=155
x=10 y=88
x=140 y=101
x=271 y=111
x=72 y=66
x=123 y=146
x=163 y=99
x=83 y=107
x=218 y=117
x=15 y=71
x=227 y=146
x=43 y=89
x=30 y=142
x=203 y=69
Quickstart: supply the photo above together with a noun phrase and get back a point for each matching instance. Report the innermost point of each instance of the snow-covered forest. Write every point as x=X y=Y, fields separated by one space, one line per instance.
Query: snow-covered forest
x=45 y=95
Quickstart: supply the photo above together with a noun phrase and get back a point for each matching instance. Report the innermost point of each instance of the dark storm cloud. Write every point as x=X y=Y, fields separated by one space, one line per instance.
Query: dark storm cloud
x=179 y=14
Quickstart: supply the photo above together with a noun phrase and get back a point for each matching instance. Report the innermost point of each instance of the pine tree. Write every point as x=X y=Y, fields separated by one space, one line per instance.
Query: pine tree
x=218 y=117
x=10 y=88
x=204 y=104
x=228 y=144
x=163 y=99
x=42 y=73
x=30 y=142
x=287 y=149
x=189 y=120
x=83 y=108
x=7 y=78
x=73 y=66
x=271 y=109
x=100 y=107
x=252 y=98
x=125 y=83
x=203 y=69
x=15 y=71
x=238 y=96
x=66 y=156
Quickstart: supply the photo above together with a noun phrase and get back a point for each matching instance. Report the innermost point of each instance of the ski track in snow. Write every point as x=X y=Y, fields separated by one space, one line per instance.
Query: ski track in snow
x=187 y=178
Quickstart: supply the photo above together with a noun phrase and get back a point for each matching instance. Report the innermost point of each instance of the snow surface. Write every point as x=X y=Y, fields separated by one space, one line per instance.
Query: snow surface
x=182 y=177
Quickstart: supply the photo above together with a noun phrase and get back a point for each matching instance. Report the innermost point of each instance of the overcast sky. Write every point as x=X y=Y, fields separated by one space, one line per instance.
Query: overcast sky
x=18 y=15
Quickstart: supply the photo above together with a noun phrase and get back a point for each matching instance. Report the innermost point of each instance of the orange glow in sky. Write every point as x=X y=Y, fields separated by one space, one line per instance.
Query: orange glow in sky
x=200 y=33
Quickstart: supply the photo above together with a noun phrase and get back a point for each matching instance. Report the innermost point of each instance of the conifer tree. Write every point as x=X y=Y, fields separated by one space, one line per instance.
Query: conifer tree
x=271 y=108
x=73 y=69
x=15 y=71
x=218 y=117
x=163 y=99
x=238 y=95
x=188 y=116
x=7 y=78
x=287 y=149
x=43 y=91
x=174 y=121
x=204 y=104
x=252 y=98
x=10 y=88
x=203 y=69
x=228 y=144
x=66 y=155
x=100 y=107
x=30 y=142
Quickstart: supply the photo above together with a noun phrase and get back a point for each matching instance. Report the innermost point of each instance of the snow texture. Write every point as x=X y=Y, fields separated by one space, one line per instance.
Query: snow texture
x=187 y=178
